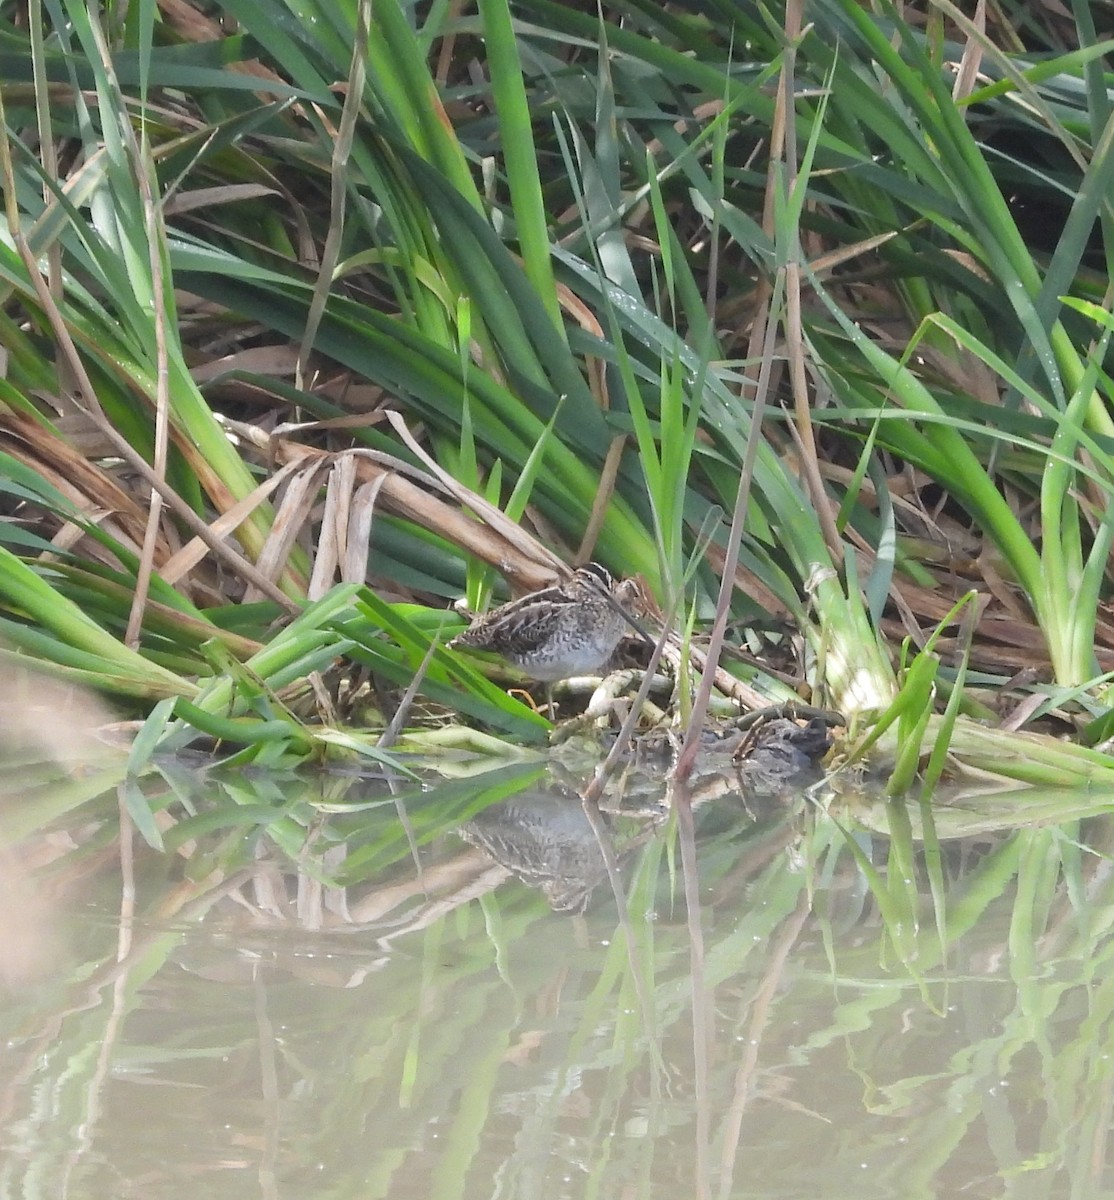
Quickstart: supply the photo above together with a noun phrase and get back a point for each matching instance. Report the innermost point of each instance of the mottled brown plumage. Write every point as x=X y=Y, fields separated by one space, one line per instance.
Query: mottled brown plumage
x=571 y=628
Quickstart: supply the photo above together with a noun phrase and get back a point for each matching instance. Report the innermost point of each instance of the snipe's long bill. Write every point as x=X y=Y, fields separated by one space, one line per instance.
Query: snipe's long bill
x=572 y=628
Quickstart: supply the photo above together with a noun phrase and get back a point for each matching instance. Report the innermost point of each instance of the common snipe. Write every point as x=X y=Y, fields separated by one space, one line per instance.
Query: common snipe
x=571 y=628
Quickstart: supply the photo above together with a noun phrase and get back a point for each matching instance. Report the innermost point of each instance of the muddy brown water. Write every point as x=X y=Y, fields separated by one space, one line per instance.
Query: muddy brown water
x=453 y=992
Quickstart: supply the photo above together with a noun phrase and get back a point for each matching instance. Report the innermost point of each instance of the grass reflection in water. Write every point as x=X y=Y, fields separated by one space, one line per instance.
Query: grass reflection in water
x=474 y=988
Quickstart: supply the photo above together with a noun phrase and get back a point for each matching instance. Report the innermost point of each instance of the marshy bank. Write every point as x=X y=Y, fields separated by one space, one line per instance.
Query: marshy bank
x=795 y=322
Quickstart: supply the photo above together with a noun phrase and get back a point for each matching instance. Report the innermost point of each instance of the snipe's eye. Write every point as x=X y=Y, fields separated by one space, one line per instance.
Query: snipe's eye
x=594 y=573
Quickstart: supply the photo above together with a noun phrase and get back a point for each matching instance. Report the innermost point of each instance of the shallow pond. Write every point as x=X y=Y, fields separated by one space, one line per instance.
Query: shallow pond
x=338 y=988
